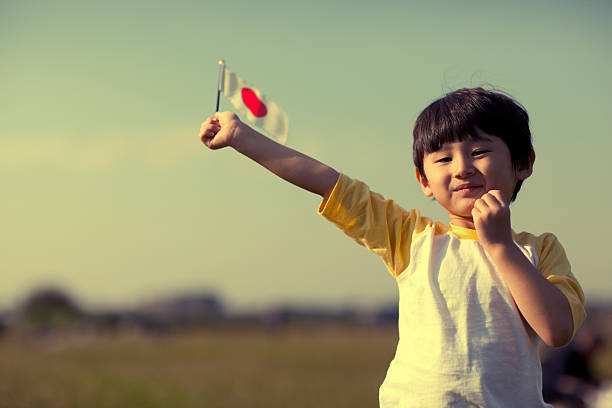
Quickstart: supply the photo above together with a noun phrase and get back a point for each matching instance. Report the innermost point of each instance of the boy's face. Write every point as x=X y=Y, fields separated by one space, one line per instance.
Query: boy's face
x=461 y=172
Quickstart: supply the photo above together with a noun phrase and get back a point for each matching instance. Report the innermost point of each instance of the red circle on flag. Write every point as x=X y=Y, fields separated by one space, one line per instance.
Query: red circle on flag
x=255 y=105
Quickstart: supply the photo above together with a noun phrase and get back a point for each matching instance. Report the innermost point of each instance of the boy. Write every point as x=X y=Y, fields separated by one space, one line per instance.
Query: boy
x=475 y=297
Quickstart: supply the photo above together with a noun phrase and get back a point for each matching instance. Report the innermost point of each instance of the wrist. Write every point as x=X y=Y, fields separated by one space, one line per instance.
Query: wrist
x=499 y=249
x=239 y=134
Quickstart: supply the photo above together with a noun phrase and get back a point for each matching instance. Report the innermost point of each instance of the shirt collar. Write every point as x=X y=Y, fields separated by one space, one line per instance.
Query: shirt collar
x=464 y=233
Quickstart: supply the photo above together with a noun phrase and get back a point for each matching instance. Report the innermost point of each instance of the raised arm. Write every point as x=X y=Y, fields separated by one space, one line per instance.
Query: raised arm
x=541 y=303
x=227 y=130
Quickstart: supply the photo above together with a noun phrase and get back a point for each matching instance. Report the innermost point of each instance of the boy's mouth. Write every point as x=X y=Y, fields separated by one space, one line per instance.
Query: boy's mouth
x=467 y=188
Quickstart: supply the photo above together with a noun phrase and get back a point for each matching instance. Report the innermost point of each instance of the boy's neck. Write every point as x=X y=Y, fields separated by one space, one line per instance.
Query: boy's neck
x=463 y=222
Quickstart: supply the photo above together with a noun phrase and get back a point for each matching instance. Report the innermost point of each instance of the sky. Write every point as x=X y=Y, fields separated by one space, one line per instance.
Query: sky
x=108 y=192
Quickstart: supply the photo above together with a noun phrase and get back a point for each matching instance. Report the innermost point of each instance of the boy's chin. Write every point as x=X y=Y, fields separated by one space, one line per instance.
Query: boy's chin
x=461 y=209
x=465 y=208
x=463 y=213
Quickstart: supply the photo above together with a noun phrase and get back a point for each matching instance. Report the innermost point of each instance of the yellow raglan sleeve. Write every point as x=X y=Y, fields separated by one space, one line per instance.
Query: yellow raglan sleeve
x=369 y=219
x=554 y=265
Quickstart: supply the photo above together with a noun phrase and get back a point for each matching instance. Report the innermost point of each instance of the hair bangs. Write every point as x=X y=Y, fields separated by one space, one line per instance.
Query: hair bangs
x=441 y=123
x=448 y=129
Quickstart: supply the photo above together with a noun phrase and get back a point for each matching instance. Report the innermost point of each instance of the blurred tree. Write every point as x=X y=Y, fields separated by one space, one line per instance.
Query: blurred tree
x=49 y=308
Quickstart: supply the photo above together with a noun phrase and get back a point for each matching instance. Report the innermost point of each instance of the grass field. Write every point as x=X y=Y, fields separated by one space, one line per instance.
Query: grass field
x=227 y=368
x=301 y=367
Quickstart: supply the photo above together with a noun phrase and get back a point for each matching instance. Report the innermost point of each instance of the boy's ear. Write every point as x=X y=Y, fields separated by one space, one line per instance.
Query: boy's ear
x=423 y=182
x=525 y=171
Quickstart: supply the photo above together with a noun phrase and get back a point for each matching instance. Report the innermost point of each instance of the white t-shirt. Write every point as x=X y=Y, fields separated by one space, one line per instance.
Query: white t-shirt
x=462 y=340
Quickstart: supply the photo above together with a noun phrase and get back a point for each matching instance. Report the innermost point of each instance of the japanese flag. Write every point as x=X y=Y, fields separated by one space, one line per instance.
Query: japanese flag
x=258 y=109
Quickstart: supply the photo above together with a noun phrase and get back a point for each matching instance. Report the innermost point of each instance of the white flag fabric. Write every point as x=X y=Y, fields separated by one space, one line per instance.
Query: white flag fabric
x=257 y=108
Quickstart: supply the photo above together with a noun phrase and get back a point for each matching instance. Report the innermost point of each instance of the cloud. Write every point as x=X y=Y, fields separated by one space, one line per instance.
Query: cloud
x=171 y=148
x=97 y=153
x=101 y=154
x=36 y=151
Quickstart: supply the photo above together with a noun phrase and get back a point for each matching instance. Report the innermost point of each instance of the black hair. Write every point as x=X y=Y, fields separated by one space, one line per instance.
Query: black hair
x=455 y=116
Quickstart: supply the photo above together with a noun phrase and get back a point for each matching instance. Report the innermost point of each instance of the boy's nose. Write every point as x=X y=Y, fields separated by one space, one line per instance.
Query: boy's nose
x=464 y=167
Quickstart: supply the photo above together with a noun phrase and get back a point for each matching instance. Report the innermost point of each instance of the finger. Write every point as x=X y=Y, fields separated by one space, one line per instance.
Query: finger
x=209 y=141
x=476 y=214
x=210 y=123
x=206 y=128
x=491 y=200
x=207 y=134
x=499 y=196
x=205 y=125
x=203 y=129
x=481 y=204
x=203 y=137
x=211 y=120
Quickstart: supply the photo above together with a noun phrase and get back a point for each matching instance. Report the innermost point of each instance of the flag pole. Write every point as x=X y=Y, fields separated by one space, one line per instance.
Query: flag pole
x=220 y=84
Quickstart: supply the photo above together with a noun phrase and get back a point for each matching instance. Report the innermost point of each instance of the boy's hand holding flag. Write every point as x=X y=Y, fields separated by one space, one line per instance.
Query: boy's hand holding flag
x=219 y=131
x=254 y=106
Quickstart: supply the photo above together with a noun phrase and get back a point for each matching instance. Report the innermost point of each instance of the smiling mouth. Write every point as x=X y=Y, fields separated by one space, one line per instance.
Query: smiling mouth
x=468 y=188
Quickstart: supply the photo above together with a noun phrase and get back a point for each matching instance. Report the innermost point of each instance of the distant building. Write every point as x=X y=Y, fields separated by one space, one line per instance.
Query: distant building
x=184 y=310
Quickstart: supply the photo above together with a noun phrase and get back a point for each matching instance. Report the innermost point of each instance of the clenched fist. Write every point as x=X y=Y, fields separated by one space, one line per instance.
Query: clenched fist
x=221 y=130
x=491 y=214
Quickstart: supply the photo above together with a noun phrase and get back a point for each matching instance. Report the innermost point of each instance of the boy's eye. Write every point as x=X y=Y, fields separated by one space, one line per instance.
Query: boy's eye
x=479 y=152
x=443 y=160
